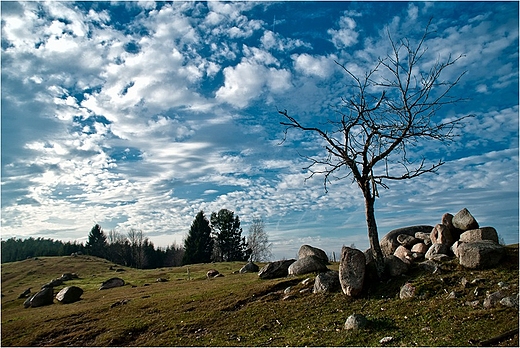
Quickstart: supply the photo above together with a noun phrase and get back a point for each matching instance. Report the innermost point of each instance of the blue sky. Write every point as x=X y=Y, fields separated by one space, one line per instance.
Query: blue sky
x=141 y=114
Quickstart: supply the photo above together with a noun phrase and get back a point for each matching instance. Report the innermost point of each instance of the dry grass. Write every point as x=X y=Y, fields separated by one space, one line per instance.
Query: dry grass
x=242 y=310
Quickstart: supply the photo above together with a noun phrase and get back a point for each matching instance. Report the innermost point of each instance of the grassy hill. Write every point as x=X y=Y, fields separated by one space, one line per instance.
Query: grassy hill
x=242 y=310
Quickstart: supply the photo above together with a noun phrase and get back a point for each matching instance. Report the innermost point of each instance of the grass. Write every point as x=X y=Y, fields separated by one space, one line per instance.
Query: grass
x=243 y=310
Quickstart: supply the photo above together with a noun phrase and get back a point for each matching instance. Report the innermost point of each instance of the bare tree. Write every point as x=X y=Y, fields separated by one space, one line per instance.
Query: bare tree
x=392 y=109
x=137 y=239
x=258 y=241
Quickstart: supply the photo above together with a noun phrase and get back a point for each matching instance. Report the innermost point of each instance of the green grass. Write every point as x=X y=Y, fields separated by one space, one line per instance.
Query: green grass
x=243 y=310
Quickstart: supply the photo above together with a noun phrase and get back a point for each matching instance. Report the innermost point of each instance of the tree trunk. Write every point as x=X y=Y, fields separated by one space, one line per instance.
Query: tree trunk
x=373 y=236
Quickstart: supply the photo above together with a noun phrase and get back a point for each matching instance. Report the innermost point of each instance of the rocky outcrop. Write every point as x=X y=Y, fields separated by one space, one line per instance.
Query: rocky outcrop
x=276 y=269
x=352 y=271
x=69 y=294
x=308 y=264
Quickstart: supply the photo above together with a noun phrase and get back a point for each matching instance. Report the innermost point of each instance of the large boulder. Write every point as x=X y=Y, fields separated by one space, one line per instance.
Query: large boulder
x=327 y=282
x=464 y=221
x=276 y=269
x=69 y=294
x=436 y=249
x=389 y=242
x=394 y=266
x=484 y=233
x=482 y=254
x=250 y=267
x=352 y=271
x=43 y=297
x=307 y=250
x=306 y=265
x=112 y=283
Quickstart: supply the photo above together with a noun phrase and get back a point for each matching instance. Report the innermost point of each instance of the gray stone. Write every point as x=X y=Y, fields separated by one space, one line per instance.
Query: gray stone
x=327 y=282
x=276 y=269
x=112 y=283
x=407 y=241
x=407 y=291
x=484 y=233
x=394 y=266
x=441 y=234
x=436 y=249
x=389 y=242
x=483 y=254
x=464 y=221
x=424 y=236
x=250 y=267
x=352 y=271
x=509 y=301
x=25 y=294
x=493 y=299
x=430 y=266
x=69 y=294
x=212 y=273
x=68 y=276
x=307 y=250
x=43 y=297
x=306 y=265
x=356 y=322
x=454 y=248
x=53 y=283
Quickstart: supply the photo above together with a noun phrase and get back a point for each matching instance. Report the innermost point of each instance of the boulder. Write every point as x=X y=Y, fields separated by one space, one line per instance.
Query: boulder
x=68 y=276
x=484 y=233
x=69 y=294
x=493 y=299
x=404 y=254
x=389 y=242
x=407 y=241
x=53 y=283
x=407 y=291
x=327 y=282
x=441 y=234
x=419 y=248
x=454 y=248
x=250 y=267
x=212 y=273
x=352 y=271
x=306 y=265
x=482 y=254
x=112 y=283
x=307 y=250
x=394 y=266
x=25 y=294
x=356 y=322
x=43 y=297
x=436 y=249
x=430 y=266
x=276 y=269
x=464 y=221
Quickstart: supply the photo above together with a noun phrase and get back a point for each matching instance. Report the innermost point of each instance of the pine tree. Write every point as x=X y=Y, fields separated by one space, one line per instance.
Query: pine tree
x=198 y=246
x=230 y=245
x=97 y=242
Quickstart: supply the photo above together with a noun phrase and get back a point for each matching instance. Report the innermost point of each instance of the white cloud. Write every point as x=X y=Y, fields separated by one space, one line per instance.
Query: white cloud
x=309 y=65
x=346 y=35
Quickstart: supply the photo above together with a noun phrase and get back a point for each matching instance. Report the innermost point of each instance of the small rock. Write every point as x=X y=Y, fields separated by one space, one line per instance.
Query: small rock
x=356 y=322
x=250 y=267
x=419 y=248
x=464 y=282
x=509 y=301
x=327 y=282
x=212 y=273
x=25 y=293
x=287 y=290
x=407 y=241
x=386 y=339
x=472 y=303
x=407 y=291
x=404 y=254
x=424 y=236
x=161 y=280
x=492 y=299
x=112 y=283
x=452 y=295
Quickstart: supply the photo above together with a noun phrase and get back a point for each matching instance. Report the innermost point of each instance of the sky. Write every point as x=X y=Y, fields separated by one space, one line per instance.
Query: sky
x=141 y=114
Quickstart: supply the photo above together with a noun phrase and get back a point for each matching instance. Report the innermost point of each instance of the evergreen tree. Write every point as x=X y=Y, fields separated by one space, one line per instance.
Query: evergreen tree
x=97 y=242
x=229 y=243
x=198 y=246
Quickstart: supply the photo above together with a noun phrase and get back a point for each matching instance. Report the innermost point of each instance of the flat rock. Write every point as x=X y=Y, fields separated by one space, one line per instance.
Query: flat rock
x=484 y=233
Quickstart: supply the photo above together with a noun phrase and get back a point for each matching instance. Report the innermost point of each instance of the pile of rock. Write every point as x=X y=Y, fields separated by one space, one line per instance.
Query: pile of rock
x=45 y=296
x=458 y=235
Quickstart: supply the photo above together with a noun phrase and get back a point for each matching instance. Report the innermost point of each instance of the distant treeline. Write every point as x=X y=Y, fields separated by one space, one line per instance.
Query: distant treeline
x=136 y=252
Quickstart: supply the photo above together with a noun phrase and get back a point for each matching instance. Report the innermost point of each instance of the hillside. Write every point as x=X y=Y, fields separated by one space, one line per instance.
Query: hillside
x=242 y=310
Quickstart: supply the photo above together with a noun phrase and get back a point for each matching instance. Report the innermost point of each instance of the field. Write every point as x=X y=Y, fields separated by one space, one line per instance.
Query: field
x=243 y=310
